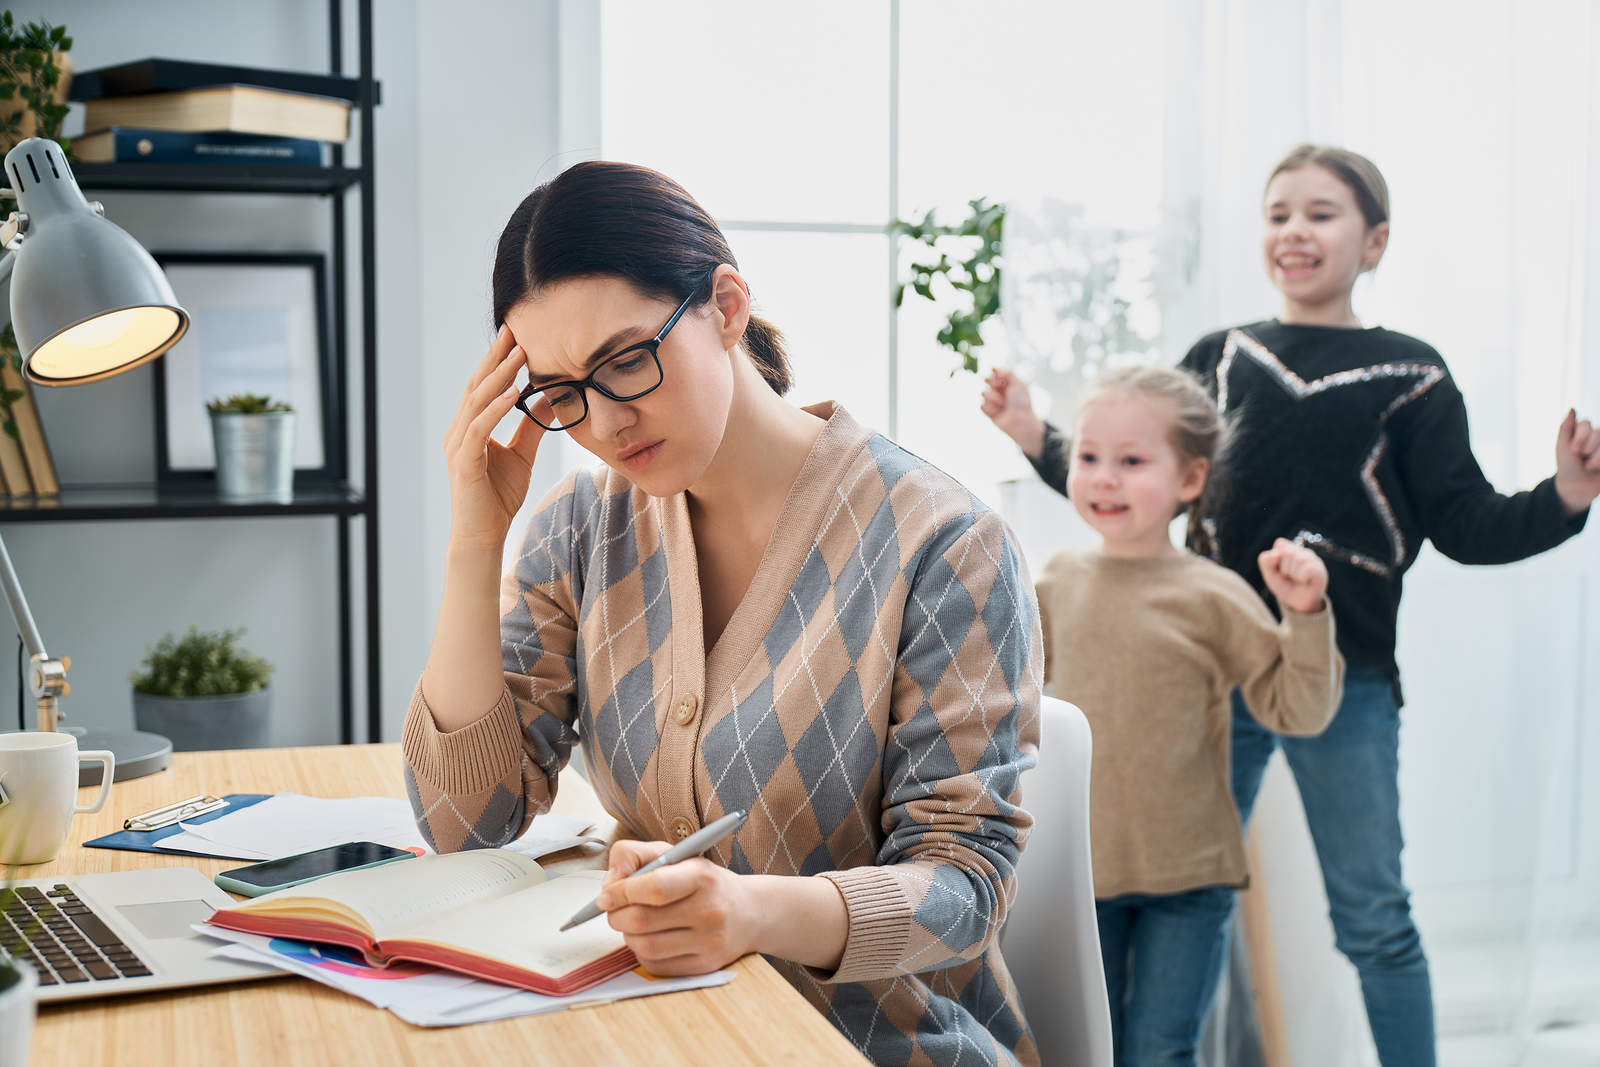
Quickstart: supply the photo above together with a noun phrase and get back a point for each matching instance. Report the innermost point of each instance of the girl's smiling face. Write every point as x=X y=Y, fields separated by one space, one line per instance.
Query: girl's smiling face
x=1316 y=243
x=1126 y=479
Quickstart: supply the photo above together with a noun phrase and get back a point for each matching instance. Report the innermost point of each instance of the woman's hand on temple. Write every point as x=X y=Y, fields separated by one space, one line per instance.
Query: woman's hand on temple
x=1577 y=463
x=489 y=480
x=1295 y=575
x=1006 y=402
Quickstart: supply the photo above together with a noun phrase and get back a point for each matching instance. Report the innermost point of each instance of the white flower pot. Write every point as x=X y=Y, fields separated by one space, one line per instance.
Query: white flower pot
x=16 y=1019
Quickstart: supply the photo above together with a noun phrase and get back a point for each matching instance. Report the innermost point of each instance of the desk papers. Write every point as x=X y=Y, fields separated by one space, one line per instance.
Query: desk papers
x=288 y=824
x=424 y=996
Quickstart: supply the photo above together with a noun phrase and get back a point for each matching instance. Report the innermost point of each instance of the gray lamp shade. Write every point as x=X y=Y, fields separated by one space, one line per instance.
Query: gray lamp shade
x=87 y=301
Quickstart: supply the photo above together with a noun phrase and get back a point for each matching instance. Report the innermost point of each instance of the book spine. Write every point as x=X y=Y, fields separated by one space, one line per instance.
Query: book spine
x=130 y=145
x=35 y=450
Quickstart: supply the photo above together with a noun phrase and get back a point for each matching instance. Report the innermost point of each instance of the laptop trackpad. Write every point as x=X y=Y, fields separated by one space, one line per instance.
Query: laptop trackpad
x=169 y=918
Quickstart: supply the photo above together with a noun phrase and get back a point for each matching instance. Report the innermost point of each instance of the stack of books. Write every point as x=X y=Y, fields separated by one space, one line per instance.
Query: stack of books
x=176 y=111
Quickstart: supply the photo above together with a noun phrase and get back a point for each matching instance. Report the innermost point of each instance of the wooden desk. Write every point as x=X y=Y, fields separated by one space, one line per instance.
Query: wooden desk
x=758 y=1018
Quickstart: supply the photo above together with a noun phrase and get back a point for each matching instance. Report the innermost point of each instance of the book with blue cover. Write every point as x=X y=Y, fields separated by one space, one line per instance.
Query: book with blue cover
x=127 y=144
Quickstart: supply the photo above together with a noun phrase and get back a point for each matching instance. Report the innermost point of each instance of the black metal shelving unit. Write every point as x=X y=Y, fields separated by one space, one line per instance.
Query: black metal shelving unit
x=339 y=499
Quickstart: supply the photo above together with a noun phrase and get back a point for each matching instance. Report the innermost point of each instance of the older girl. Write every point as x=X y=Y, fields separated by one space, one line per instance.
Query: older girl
x=750 y=605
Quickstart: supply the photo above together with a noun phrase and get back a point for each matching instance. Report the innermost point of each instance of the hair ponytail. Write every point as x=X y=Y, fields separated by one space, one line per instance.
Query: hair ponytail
x=763 y=343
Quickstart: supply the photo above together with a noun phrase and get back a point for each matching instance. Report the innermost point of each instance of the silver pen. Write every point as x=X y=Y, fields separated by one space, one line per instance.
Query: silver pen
x=690 y=846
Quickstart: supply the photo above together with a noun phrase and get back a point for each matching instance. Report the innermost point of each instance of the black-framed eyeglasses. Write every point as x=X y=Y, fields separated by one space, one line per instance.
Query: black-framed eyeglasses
x=628 y=375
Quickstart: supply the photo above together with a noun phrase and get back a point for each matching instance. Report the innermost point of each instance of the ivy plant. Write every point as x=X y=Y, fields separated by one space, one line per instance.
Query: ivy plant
x=969 y=261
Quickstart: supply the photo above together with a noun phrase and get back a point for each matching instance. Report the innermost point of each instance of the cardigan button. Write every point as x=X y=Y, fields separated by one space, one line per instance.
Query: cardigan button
x=688 y=707
x=680 y=828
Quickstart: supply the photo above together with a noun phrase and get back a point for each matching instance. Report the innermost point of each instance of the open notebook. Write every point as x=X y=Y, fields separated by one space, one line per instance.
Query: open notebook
x=490 y=913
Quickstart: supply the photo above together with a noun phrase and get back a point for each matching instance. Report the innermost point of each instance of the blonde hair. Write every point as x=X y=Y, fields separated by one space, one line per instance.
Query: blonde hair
x=1196 y=430
x=1356 y=171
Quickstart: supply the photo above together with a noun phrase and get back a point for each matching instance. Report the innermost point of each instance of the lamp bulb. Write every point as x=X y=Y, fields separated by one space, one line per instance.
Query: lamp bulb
x=103 y=330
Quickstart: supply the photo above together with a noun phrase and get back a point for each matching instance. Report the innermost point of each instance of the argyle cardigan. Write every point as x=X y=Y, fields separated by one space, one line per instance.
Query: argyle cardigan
x=872 y=702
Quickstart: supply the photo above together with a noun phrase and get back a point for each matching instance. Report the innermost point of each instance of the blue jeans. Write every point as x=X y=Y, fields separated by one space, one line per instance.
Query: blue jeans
x=1349 y=783
x=1163 y=955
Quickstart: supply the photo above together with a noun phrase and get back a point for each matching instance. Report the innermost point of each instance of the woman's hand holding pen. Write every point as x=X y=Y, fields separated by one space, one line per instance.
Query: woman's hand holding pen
x=693 y=917
x=687 y=918
x=1577 y=463
x=1295 y=575
x=489 y=480
x=1005 y=401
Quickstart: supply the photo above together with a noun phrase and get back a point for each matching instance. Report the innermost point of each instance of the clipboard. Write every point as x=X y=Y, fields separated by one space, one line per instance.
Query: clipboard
x=145 y=840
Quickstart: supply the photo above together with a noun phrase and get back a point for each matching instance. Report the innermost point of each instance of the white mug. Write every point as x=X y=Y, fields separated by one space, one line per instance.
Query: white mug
x=39 y=793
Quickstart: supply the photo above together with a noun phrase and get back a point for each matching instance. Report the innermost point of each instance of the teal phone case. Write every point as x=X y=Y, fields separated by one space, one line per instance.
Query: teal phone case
x=246 y=889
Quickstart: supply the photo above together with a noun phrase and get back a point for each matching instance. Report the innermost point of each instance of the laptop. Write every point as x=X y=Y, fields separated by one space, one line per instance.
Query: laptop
x=96 y=935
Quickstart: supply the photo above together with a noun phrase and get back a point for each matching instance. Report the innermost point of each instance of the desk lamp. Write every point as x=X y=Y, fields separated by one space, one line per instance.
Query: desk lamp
x=87 y=302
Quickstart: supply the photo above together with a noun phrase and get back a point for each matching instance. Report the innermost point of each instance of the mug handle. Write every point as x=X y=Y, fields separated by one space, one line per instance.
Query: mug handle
x=107 y=759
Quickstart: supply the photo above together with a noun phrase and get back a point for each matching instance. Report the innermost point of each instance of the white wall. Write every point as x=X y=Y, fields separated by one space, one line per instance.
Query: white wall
x=465 y=129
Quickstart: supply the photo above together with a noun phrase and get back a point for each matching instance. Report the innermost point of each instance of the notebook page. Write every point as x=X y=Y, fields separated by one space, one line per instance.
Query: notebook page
x=397 y=896
x=524 y=928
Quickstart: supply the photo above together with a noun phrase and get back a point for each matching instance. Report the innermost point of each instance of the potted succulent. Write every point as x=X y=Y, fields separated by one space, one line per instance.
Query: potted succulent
x=254 y=441
x=202 y=691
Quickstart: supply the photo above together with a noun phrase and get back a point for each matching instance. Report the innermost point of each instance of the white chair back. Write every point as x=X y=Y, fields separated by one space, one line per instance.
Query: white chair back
x=1052 y=941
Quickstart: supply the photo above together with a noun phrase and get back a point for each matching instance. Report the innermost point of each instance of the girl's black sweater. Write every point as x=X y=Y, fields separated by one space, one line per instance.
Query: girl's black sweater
x=1354 y=443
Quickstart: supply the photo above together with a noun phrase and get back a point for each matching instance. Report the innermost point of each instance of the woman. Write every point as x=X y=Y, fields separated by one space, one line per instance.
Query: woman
x=752 y=605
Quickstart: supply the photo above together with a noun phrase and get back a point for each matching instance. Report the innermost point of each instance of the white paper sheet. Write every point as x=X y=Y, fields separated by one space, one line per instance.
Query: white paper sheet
x=288 y=824
x=424 y=996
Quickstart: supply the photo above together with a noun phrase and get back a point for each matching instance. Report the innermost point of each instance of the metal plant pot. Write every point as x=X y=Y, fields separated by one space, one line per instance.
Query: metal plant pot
x=193 y=724
x=255 y=455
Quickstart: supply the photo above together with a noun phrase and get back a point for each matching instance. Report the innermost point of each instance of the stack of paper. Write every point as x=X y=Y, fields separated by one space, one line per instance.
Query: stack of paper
x=424 y=996
x=288 y=824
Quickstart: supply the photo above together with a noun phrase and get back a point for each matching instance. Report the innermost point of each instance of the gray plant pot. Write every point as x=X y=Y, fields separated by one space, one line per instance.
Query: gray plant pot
x=255 y=456
x=193 y=724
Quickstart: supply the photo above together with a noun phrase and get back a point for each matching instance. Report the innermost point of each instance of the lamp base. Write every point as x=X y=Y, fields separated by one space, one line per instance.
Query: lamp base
x=137 y=752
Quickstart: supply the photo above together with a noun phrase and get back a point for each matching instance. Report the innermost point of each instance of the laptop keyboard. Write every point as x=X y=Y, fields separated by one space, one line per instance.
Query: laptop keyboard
x=63 y=940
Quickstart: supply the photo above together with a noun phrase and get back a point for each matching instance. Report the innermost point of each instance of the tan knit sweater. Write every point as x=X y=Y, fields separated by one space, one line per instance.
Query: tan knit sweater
x=1151 y=650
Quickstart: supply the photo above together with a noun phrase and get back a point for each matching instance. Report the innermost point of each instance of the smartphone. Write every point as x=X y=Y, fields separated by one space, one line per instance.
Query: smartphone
x=268 y=875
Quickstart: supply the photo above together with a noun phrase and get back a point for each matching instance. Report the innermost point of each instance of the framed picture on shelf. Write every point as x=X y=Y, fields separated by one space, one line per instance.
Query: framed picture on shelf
x=258 y=323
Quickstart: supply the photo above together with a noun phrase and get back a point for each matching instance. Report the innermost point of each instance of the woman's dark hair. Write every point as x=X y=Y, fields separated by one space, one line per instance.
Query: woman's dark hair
x=617 y=220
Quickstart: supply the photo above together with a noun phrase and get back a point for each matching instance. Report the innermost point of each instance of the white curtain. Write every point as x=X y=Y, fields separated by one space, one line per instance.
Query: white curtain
x=1481 y=115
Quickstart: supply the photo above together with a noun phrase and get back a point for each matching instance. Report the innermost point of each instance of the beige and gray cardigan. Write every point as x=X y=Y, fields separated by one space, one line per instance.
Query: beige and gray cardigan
x=873 y=702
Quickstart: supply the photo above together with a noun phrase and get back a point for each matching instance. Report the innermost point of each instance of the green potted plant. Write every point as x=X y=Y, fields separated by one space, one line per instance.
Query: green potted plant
x=202 y=691
x=254 y=441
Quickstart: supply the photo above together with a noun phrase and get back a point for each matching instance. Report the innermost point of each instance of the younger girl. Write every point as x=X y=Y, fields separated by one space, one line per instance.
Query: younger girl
x=1352 y=441
x=1150 y=640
